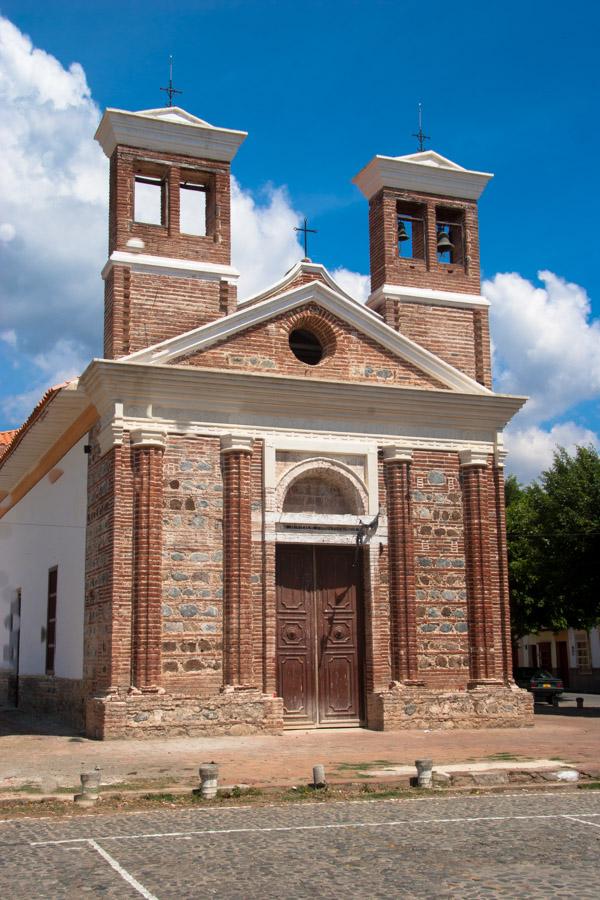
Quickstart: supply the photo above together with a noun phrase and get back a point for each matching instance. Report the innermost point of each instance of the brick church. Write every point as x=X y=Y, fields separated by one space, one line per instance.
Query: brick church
x=266 y=512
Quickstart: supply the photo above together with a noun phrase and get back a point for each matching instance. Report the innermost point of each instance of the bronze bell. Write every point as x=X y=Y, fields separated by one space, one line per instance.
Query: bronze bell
x=402 y=233
x=444 y=244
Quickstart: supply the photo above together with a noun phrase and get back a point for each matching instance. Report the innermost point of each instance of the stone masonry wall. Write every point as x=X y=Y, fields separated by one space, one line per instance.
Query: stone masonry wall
x=442 y=627
x=403 y=707
x=349 y=355
x=193 y=566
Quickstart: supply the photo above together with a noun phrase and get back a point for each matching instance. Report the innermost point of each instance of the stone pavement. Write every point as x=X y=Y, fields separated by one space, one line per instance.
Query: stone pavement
x=526 y=846
x=55 y=759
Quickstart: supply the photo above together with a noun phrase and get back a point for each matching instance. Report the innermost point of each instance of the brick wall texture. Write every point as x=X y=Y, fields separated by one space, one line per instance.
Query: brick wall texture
x=349 y=355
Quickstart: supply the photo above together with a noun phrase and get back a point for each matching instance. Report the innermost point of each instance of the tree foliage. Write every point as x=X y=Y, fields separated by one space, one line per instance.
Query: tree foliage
x=553 y=531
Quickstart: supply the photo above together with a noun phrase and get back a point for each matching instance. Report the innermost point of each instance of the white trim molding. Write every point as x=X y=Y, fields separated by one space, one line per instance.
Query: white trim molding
x=169 y=265
x=427 y=172
x=355 y=314
x=426 y=296
x=236 y=443
x=472 y=458
x=394 y=453
x=304 y=266
x=148 y=437
x=168 y=130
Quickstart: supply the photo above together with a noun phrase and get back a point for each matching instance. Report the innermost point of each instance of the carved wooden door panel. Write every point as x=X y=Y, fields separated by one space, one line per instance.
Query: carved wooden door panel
x=318 y=634
x=295 y=633
x=336 y=575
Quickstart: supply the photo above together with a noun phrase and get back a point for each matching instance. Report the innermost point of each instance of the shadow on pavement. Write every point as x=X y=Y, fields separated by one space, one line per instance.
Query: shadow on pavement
x=588 y=712
x=15 y=721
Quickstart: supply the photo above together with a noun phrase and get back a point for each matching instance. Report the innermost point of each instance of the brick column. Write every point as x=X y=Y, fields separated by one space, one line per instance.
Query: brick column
x=504 y=593
x=147 y=451
x=482 y=668
x=403 y=627
x=236 y=455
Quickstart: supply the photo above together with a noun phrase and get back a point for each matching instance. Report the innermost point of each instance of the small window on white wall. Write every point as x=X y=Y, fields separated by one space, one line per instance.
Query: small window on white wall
x=192 y=208
x=148 y=200
x=582 y=649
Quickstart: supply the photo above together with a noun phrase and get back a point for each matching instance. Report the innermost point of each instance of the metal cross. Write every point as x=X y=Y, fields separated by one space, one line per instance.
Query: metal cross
x=421 y=137
x=306 y=231
x=171 y=90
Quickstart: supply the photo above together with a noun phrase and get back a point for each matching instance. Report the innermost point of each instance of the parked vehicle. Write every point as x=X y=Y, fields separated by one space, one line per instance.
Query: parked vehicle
x=540 y=682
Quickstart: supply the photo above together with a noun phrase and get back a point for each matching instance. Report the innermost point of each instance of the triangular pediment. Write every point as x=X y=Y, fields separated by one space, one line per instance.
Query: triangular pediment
x=173 y=114
x=431 y=158
x=357 y=316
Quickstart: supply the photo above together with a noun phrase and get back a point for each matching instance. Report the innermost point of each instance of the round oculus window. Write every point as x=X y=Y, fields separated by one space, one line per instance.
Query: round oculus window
x=306 y=346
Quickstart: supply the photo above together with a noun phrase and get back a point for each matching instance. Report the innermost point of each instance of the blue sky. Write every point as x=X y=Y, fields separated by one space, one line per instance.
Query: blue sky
x=321 y=87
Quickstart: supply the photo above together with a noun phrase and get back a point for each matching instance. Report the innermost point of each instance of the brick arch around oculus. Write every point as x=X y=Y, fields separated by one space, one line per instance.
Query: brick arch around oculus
x=319 y=323
x=346 y=488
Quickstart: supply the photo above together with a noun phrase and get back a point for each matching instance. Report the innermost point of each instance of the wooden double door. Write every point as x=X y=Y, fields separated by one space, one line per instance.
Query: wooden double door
x=319 y=634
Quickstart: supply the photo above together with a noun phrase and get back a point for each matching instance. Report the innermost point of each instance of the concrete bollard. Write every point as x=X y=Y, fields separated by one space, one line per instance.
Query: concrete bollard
x=90 y=785
x=579 y=702
x=209 y=774
x=424 y=772
x=319 y=777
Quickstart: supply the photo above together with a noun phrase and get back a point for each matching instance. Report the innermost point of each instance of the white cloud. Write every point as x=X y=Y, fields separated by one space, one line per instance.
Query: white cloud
x=7 y=232
x=531 y=448
x=546 y=346
x=9 y=337
x=545 y=343
x=355 y=284
x=264 y=244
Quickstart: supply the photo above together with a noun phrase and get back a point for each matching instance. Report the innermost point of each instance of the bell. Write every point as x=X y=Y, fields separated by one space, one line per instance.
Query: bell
x=402 y=233
x=444 y=244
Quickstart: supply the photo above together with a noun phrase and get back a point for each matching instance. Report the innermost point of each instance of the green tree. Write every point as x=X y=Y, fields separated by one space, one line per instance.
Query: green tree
x=553 y=535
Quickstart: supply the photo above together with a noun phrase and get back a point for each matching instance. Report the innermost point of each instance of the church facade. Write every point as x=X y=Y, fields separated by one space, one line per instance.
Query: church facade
x=278 y=511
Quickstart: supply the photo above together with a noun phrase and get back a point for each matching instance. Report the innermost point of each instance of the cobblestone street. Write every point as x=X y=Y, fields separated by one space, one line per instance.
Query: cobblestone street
x=526 y=845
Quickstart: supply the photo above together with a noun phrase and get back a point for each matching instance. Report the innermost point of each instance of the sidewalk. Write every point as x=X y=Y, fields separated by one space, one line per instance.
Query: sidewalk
x=54 y=760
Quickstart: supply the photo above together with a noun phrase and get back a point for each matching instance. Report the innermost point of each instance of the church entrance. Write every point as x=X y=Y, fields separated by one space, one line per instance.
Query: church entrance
x=319 y=634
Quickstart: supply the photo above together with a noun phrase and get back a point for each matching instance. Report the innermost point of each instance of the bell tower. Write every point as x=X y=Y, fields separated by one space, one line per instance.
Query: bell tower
x=169 y=264
x=424 y=249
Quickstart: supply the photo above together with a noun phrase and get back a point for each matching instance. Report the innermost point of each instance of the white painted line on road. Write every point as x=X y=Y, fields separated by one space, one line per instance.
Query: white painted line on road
x=332 y=825
x=133 y=882
x=583 y=821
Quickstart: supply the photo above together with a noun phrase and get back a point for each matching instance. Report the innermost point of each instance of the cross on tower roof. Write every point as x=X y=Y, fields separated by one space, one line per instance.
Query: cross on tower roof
x=170 y=90
x=421 y=137
x=306 y=231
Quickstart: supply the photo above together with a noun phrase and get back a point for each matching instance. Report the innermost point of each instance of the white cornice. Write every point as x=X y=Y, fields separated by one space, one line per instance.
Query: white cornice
x=427 y=297
x=427 y=172
x=304 y=265
x=185 y=398
x=170 y=265
x=355 y=314
x=168 y=130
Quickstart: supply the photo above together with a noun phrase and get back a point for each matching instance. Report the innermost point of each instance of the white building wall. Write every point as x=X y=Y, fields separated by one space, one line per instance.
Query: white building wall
x=45 y=529
x=595 y=647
